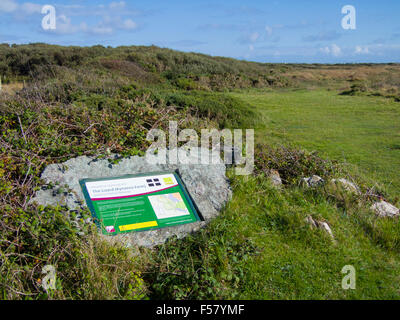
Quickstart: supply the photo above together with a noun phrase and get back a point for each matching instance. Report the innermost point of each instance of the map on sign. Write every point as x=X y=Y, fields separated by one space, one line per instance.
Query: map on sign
x=139 y=202
x=168 y=205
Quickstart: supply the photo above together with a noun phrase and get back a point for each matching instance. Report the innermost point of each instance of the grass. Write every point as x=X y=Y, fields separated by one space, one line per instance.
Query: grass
x=277 y=255
x=298 y=263
x=11 y=88
x=260 y=247
x=363 y=131
x=90 y=101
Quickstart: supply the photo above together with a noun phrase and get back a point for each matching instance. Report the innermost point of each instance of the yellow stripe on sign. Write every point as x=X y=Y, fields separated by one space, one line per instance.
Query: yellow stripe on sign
x=141 y=225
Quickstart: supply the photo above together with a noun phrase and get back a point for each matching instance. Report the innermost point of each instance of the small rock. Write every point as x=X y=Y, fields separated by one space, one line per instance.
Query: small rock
x=346 y=185
x=325 y=226
x=275 y=178
x=320 y=225
x=385 y=209
x=313 y=181
x=311 y=222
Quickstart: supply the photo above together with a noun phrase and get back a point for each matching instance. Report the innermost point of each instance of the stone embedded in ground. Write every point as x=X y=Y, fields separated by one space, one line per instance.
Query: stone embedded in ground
x=206 y=183
x=313 y=181
x=311 y=222
x=385 y=209
x=345 y=185
x=326 y=227
x=275 y=178
x=320 y=225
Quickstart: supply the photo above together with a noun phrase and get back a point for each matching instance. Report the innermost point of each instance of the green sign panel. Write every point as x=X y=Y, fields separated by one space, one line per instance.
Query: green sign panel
x=139 y=202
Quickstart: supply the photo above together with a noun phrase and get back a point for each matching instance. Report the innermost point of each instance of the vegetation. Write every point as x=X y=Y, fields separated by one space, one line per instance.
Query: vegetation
x=359 y=131
x=62 y=102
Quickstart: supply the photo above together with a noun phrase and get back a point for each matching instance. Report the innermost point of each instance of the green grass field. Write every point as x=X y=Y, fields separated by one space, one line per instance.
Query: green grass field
x=359 y=130
x=295 y=262
x=260 y=247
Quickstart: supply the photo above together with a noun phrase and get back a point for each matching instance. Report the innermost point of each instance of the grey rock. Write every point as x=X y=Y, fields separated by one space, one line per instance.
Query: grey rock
x=320 y=225
x=275 y=178
x=311 y=222
x=385 y=209
x=206 y=183
x=346 y=185
x=326 y=228
x=313 y=181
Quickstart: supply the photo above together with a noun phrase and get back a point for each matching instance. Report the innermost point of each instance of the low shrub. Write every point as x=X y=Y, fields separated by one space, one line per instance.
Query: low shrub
x=85 y=267
x=199 y=267
x=227 y=111
x=291 y=163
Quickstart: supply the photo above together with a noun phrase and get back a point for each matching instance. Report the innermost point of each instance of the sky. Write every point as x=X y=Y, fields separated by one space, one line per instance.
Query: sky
x=284 y=31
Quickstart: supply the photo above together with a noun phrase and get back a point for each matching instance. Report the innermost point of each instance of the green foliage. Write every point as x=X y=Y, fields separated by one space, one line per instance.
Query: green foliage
x=228 y=112
x=186 y=84
x=187 y=71
x=50 y=122
x=383 y=231
x=201 y=267
x=356 y=88
x=292 y=163
x=85 y=268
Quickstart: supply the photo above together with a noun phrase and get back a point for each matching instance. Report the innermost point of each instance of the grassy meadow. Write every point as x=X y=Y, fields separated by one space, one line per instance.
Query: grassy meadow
x=280 y=256
x=361 y=131
x=63 y=102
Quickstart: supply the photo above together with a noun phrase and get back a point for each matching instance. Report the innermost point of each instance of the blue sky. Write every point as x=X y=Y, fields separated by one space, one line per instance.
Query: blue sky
x=266 y=31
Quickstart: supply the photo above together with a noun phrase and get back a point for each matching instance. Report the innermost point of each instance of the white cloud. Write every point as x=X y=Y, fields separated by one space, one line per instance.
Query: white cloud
x=107 y=26
x=325 y=50
x=129 y=24
x=31 y=8
x=8 y=5
x=269 y=30
x=254 y=36
x=277 y=53
x=249 y=38
x=114 y=5
x=102 y=30
x=71 y=6
x=64 y=26
x=336 y=51
x=114 y=17
x=361 y=50
x=333 y=50
x=26 y=8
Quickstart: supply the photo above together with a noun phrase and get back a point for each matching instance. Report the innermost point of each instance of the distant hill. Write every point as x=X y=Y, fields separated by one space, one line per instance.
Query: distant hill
x=190 y=71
